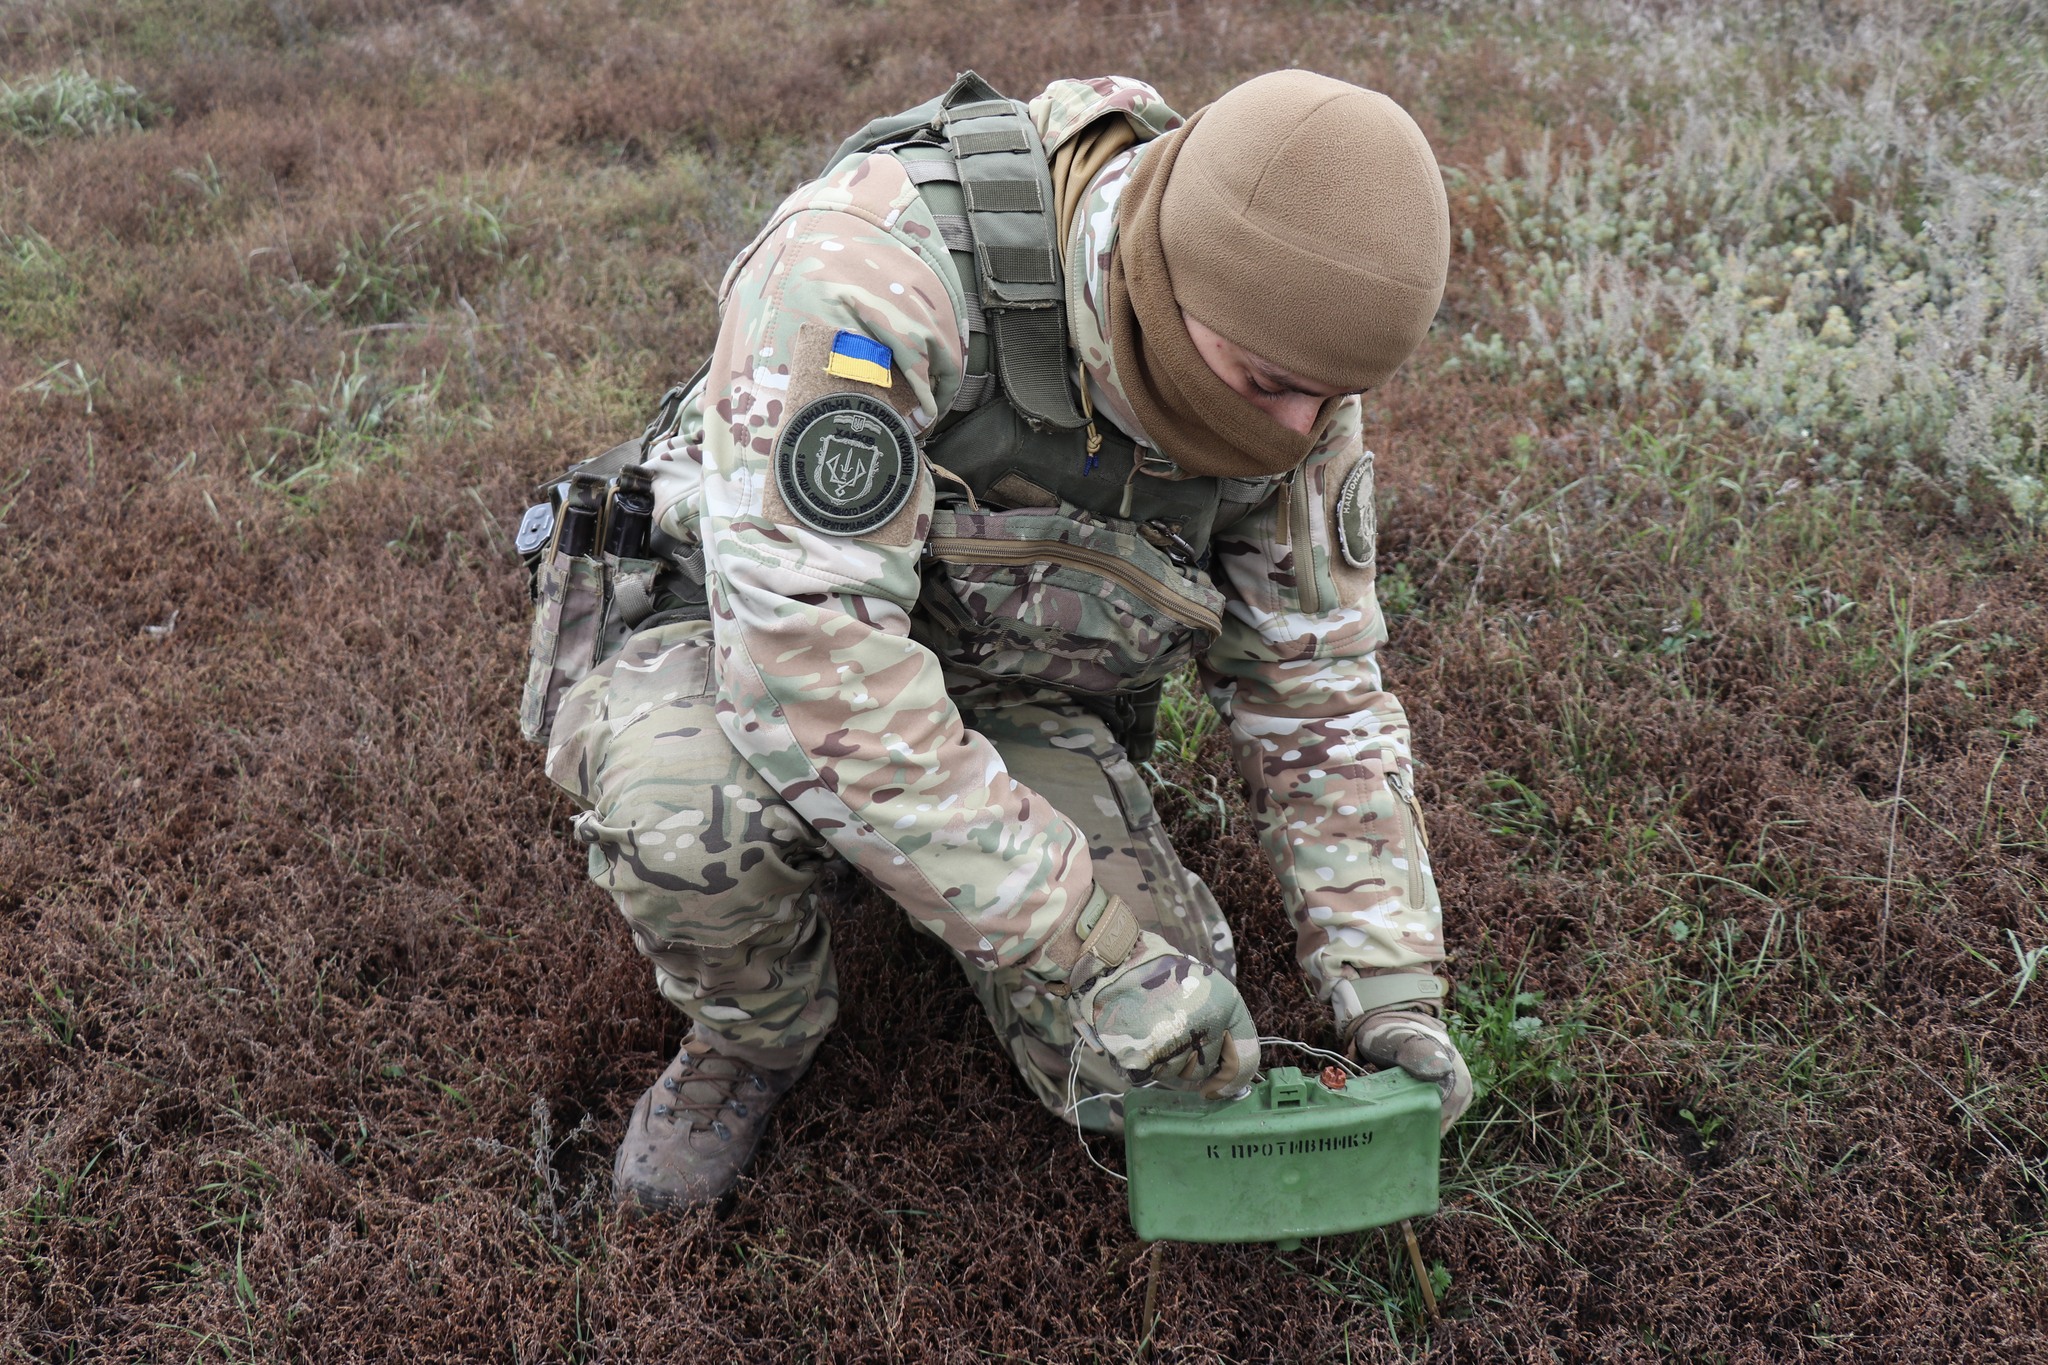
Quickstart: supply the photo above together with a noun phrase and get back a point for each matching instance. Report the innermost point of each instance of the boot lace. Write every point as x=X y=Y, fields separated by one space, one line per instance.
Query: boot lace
x=708 y=1086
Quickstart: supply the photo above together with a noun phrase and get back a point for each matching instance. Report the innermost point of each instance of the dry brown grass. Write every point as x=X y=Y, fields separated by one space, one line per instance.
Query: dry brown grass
x=304 y=967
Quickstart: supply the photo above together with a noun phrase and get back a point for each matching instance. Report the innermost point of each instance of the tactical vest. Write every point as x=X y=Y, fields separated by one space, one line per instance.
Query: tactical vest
x=1053 y=559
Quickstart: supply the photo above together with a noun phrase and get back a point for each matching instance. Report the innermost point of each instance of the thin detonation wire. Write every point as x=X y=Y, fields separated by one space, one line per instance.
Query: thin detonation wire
x=1073 y=1085
x=1341 y=1060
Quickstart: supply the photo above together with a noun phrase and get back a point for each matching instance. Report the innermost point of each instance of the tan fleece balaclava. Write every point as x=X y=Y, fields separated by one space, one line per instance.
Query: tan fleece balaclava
x=1300 y=217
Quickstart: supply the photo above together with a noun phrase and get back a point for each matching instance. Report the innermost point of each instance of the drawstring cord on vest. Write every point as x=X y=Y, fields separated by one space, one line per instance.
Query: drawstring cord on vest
x=1130 y=488
x=1095 y=441
x=1094 y=460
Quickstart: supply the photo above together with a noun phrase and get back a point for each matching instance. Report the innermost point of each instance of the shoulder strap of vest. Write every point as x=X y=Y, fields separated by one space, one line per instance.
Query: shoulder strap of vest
x=920 y=124
x=1007 y=186
x=993 y=151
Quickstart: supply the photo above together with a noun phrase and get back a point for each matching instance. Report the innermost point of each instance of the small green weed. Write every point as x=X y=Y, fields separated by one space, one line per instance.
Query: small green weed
x=55 y=1019
x=204 y=181
x=1822 y=613
x=408 y=265
x=375 y=280
x=1397 y=591
x=1704 y=1126
x=1510 y=1048
x=1186 y=719
x=2030 y=960
x=38 y=289
x=341 y=425
x=72 y=103
x=1185 y=722
x=1516 y=812
x=233 y=1203
x=65 y=379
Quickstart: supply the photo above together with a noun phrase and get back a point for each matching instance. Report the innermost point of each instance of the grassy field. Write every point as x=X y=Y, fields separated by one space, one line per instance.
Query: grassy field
x=1710 y=538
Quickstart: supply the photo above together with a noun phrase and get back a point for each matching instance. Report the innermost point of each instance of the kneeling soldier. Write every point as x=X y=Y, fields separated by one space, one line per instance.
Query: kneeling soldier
x=1014 y=411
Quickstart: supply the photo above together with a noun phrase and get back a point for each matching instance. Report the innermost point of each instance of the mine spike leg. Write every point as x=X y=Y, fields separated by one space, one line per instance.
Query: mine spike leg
x=1151 y=1314
x=1421 y=1271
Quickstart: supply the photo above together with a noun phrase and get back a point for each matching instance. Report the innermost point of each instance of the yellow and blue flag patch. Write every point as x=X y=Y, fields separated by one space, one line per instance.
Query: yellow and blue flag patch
x=857 y=357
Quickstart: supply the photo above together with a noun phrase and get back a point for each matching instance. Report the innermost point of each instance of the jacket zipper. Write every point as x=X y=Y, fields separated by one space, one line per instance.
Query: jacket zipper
x=1418 y=833
x=968 y=550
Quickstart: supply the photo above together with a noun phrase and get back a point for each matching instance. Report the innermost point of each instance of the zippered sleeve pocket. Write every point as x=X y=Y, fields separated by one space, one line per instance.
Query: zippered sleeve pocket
x=1415 y=850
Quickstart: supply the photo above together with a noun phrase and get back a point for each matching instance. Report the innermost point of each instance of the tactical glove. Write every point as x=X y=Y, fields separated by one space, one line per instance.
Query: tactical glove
x=1171 y=1020
x=1420 y=1045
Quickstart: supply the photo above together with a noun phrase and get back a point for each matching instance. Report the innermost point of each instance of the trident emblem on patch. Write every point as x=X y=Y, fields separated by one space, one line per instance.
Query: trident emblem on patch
x=848 y=466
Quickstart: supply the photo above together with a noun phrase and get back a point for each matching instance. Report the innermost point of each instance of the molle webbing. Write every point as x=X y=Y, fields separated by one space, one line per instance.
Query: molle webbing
x=978 y=159
x=981 y=168
x=931 y=169
x=1007 y=187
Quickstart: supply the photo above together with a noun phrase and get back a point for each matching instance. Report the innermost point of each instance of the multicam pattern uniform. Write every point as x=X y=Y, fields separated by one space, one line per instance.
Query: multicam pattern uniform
x=719 y=879
x=822 y=692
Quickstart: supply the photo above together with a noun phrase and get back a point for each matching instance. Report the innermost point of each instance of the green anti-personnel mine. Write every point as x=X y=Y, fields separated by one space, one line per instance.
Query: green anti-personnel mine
x=1292 y=1159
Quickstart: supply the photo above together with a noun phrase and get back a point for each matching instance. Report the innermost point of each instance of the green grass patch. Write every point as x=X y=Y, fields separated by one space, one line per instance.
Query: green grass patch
x=440 y=243
x=39 y=290
x=70 y=102
x=339 y=424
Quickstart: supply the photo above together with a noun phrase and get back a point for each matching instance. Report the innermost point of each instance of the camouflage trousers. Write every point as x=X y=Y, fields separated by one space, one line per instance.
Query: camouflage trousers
x=718 y=879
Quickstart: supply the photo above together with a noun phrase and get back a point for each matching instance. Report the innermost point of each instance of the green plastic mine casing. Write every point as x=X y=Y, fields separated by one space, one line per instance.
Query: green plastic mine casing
x=1292 y=1159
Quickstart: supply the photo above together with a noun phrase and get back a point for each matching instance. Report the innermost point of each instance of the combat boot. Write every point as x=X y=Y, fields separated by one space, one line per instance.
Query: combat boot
x=696 y=1128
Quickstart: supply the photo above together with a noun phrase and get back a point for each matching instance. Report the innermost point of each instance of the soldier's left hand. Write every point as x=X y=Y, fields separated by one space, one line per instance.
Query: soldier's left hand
x=1420 y=1045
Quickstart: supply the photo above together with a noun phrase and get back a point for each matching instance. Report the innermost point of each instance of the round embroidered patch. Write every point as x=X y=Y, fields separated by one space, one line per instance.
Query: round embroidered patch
x=845 y=464
x=1357 y=521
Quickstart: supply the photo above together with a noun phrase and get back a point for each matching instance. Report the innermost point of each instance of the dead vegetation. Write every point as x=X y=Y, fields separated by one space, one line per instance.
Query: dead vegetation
x=315 y=1041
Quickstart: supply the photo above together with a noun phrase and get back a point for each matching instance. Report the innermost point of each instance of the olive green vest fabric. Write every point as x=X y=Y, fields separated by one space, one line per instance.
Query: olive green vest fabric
x=1012 y=436
x=996 y=214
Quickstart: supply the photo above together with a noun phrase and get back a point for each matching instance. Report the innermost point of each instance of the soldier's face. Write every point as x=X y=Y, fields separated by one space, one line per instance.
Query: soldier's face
x=1288 y=399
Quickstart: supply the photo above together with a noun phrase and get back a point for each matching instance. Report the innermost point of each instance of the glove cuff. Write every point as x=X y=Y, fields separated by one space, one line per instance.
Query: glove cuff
x=1354 y=999
x=1097 y=941
x=1379 y=1020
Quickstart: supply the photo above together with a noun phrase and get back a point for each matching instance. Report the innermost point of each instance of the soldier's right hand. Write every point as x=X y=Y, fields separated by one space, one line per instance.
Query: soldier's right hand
x=1169 y=1019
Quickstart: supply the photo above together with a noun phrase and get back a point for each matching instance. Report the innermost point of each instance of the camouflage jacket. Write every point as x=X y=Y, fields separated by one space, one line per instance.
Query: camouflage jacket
x=822 y=688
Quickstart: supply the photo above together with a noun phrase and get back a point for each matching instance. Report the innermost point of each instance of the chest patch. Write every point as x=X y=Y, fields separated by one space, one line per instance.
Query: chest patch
x=846 y=464
x=1357 y=520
